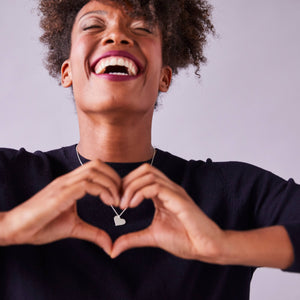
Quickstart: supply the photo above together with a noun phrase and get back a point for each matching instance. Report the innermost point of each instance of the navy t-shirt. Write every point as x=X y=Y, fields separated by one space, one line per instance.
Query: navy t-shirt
x=235 y=195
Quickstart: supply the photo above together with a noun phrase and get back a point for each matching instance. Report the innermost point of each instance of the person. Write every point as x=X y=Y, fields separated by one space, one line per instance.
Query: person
x=75 y=222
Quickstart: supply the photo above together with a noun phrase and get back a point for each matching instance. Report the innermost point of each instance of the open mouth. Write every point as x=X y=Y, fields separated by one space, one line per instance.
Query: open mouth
x=117 y=65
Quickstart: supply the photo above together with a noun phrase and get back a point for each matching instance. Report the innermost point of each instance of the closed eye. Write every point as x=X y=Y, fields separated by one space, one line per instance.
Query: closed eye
x=144 y=29
x=141 y=26
x=92 y=27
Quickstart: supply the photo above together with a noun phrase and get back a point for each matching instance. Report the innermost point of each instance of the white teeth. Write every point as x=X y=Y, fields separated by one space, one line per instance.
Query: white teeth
x=117 y=73
x=116 y=61
x=112 y=62
x=121 y=62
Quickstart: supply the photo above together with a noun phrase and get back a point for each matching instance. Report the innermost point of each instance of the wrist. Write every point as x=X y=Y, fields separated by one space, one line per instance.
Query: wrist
x=213 y=249
x=2 y=229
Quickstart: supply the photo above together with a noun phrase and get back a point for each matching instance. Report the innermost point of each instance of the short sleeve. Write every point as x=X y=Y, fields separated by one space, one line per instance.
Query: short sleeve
x=270 y=199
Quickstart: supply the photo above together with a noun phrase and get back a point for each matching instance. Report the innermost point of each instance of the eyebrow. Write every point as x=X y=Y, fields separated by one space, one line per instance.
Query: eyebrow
x=97 y=12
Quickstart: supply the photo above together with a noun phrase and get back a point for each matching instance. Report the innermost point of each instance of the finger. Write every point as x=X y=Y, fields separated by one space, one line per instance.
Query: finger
x=106 y=182
x=98 y=178
x=142 y=238
x=135 y=185
x=91 y=188
x=140 y=171
x=101 y=172
x=85 y=231
x=101 y=167
x=147 y=192
x=67 y=195
x=162 y=197
x=50 y=202
x=104 y=179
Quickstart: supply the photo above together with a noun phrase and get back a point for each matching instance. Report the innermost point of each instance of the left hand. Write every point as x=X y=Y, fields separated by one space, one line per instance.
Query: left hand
x=179 y=226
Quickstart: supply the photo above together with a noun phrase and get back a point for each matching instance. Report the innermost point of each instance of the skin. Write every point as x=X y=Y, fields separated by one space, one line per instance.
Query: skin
x=115 y=125
x=112 y=115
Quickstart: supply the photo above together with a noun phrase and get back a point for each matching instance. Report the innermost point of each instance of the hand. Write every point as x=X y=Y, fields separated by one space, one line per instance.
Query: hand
x=179 y=226
x=51 y=214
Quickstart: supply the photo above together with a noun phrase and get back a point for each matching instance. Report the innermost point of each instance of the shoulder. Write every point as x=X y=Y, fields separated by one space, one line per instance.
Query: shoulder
x=223 y=170
x=21 y=160
x=235 y=172
x=24 y=173
x=232 y=177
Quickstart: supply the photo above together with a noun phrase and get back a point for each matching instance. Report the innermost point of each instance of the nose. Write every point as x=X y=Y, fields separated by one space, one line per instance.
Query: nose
x=117 y=36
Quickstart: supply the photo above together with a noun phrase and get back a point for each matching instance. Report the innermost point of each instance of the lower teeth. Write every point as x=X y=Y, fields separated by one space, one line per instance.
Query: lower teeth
x=116 y=73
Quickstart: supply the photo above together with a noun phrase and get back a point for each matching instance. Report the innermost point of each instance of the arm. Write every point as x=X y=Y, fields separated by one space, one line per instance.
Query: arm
x=180 y=227
x=267 y=247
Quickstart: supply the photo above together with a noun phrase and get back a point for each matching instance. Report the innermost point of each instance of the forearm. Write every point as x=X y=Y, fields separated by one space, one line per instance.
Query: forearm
x=265 y=247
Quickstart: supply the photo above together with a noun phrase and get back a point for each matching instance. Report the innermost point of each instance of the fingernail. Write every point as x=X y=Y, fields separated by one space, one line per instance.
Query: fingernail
x=113 y=255
x=122 y=203
x=107 y=252
x=116 y=201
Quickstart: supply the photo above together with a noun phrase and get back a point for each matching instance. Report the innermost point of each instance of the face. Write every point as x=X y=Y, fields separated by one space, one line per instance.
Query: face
x=115 y=62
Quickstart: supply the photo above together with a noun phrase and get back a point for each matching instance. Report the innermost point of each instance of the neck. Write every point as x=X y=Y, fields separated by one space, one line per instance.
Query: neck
x=115 y=141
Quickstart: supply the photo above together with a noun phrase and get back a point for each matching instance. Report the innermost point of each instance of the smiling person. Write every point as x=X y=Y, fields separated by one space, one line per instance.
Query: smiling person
x=112 y=217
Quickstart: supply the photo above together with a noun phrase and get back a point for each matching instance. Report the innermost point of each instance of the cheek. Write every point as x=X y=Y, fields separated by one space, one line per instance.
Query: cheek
x=80 y=53
x=155 y=51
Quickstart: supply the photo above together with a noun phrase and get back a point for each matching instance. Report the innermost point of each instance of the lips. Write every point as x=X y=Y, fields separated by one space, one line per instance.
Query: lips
x=117 y=65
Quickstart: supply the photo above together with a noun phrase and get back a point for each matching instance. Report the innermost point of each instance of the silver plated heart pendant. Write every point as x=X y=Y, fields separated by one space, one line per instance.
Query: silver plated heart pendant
x=119 y=221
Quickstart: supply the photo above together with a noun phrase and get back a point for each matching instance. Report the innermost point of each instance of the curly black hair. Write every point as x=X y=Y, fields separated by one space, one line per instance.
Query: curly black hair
x=185 y=25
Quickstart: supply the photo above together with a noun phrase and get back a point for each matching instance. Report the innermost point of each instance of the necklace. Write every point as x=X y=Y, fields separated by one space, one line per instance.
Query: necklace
x=117 y=218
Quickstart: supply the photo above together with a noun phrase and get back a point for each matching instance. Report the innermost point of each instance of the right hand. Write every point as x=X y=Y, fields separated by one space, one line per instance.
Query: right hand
x=51 y=214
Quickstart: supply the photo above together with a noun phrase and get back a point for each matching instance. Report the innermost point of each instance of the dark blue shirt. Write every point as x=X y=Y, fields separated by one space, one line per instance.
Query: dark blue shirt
x=235 y=195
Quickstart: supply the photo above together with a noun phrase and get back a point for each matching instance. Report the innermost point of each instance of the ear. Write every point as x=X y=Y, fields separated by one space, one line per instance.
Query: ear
x=66 y=75
x=165 y=78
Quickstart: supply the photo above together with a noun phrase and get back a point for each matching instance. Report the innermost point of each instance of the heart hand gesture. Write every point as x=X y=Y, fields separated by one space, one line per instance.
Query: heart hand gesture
x=179 y=226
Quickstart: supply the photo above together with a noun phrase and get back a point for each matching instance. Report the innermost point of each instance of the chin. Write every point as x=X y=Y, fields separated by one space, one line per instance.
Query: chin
x=112 y=105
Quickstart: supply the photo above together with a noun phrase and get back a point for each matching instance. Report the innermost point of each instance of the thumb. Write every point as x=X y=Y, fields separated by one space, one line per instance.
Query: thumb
x=85 y=231
x=143 y=238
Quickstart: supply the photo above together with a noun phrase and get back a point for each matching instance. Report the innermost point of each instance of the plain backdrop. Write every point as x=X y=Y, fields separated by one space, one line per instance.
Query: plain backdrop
x=245 y=107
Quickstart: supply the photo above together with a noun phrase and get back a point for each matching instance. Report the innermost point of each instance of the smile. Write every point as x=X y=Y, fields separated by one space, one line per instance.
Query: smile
x=117 y=65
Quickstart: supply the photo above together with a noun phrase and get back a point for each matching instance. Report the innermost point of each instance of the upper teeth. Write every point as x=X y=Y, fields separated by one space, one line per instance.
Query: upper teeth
x=116 y=61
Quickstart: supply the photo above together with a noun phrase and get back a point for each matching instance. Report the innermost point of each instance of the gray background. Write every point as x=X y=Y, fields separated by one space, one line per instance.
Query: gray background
x=245 y=107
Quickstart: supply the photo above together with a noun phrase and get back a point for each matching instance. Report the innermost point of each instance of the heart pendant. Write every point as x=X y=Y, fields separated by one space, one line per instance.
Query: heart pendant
x=119 y=221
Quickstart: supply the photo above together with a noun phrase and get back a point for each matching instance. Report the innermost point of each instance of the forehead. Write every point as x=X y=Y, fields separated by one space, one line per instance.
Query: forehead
x=124 y=7
x=104 y=7
x=97 y=7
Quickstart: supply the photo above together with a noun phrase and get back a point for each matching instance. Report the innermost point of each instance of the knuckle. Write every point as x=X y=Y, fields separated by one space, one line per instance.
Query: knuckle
x=59 y=183
x=146 y=167
x=91 y=173
x=84 y=185
x=12 y=236
x=93 y=164
x=97 y=163
x=152 y=177
x=157 y=187
x=102 y=193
